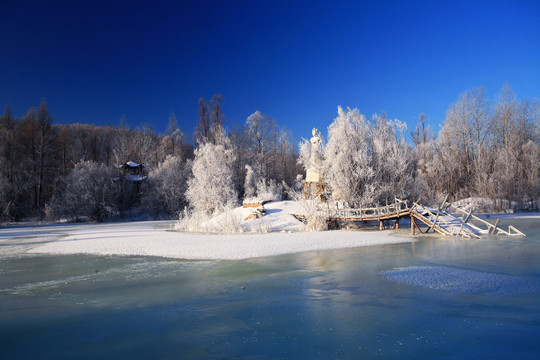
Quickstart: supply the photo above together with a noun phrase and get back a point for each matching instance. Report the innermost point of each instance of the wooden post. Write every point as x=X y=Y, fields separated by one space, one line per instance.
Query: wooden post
x=466 y=218
x=495 y=226
x=381 y=225
x=412 y=225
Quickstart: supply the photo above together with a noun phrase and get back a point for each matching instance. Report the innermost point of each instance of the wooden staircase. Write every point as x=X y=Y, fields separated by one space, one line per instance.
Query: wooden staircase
x=447 y=220
x=450 y=220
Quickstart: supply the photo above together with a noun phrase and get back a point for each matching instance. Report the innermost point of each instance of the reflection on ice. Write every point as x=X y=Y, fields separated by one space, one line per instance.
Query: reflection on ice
x=460 y=280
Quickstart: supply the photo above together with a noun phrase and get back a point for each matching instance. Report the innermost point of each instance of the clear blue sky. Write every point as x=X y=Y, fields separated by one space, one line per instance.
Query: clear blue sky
x=93 y=61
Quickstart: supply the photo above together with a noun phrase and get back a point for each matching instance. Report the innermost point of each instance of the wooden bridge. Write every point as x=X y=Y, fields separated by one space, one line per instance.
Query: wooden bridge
x=447 y=220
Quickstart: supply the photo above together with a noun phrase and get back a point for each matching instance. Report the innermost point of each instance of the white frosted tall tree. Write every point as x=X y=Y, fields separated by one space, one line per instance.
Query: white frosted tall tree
x=392 y=159
x=250 y=183
x=468 y=126
x=166 y=188
x=347 y=163
x=262 y=133
x=211 y=187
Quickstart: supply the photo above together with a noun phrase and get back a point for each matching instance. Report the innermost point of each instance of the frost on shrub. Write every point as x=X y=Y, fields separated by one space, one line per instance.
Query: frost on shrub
x=89 y=192
x=315 y=218
x=269 y=190
x=211 y=187
x=257 y=188
x=250 y=183
x=210 y=190
x=166 y=187
x=229 y=221
x=295 y=192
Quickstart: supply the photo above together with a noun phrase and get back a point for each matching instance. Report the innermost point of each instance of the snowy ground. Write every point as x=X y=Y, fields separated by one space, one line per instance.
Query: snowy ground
x=157 y=239
x=141 y=239
x=278 y=217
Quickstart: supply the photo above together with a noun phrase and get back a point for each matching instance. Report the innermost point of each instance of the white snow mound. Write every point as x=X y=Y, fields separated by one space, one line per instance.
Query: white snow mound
x=277 y=218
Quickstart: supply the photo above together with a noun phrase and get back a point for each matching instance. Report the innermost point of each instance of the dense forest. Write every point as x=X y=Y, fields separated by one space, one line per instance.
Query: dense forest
x=487 y=149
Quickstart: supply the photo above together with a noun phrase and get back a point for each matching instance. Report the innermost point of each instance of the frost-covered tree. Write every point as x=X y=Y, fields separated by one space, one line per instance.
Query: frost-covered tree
x=468 y=125
x=89 y=192
x=423 y=152
x=392 y=160
x=211 y=187
x=484 y=153
x=530 y=185
x=4 y=194
x=172 y=142
x=422 y=134
x=250 y=183
x=166 y=187
x=347 y=163
x=262 y=132
x=211 y=120
x=286 y=168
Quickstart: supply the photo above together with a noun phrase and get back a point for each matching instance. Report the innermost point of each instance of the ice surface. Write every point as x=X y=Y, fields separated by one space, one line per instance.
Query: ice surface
x=461 y=281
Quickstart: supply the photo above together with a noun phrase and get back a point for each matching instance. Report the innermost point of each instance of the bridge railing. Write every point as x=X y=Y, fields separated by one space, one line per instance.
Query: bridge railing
x=396 y=209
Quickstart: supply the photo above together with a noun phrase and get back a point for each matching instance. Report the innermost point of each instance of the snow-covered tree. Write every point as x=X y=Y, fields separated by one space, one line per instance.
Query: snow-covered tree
x=530 y=184
x=468 y=125
x=392 y=160
x=172 y=142
x=89 y=191
x=250 y=183
x=262 y=132
x=211 y=187
x=347 y=163
x=167 y=185
x=211 y=121
x=304 y=154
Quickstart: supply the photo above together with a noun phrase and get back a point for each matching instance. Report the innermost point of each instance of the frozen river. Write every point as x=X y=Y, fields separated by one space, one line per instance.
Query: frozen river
x=437 y=298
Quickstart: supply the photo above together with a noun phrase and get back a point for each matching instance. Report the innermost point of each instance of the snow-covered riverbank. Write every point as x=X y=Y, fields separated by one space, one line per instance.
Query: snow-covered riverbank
x=153 y=238
x=145 y=240
x=158 y=239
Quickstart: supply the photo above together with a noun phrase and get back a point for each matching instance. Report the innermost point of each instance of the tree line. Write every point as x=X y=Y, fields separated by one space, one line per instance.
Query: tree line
x=488 y=149
x=70 y=171
x=484 y=149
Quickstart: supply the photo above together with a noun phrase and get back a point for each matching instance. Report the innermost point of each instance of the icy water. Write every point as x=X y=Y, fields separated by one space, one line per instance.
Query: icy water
x=438 y=298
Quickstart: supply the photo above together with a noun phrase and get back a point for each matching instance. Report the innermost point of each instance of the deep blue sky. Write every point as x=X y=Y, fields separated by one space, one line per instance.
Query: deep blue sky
x=95 y=61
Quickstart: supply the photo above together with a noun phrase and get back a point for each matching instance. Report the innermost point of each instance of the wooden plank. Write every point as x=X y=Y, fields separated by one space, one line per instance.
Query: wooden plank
x=495 y=226
x=511 y=228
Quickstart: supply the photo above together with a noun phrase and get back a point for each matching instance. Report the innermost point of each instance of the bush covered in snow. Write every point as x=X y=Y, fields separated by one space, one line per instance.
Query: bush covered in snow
x=315 y=219
x=211 y=187
x=89 y=191
x=166 y=187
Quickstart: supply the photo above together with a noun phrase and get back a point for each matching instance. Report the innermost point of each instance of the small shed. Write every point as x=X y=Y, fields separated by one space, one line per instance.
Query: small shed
x=131 y=175
x=132 y=171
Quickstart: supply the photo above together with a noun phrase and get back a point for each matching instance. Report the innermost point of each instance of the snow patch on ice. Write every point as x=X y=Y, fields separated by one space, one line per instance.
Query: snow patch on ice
x=460 y=281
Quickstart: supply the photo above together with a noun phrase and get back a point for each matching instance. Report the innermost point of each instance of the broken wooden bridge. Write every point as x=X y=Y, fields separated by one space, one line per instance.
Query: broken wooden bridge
x=447 y=220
